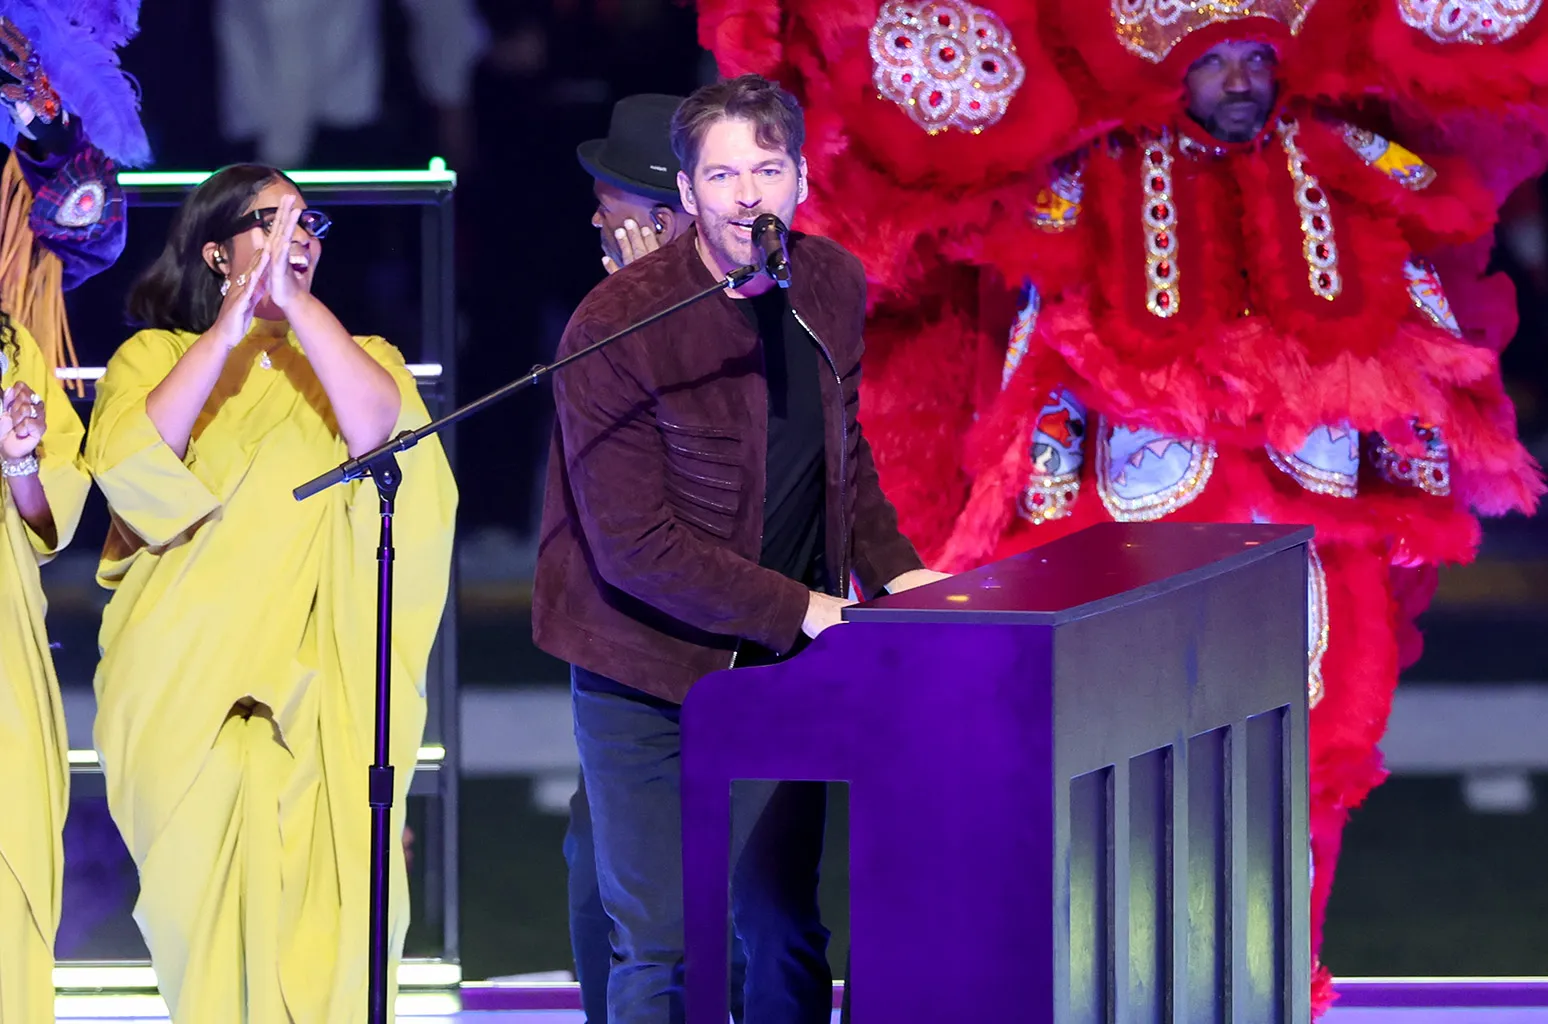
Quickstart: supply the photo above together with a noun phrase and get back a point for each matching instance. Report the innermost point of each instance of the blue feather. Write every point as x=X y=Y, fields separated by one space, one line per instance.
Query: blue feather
x=77 y=42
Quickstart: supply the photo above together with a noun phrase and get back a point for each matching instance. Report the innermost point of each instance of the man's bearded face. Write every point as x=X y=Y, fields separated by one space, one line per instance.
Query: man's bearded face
x=1232 y=89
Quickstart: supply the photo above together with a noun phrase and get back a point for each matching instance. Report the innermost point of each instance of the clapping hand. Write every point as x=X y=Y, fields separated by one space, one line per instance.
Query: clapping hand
x=22 y=423
x=242 y=294
x=286 y=282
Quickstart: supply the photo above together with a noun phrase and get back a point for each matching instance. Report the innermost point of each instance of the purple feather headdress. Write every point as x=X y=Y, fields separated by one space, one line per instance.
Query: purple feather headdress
x=77 y=42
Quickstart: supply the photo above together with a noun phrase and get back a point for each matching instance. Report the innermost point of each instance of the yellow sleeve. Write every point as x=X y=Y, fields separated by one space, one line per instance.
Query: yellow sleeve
x=430 y=474
x=150 y=490
x=412 y=413
x=423 y=524
x=60 y=468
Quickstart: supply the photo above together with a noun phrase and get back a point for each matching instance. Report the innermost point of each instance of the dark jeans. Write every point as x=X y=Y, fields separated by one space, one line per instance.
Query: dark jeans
x=630 y=749
x=591 y=929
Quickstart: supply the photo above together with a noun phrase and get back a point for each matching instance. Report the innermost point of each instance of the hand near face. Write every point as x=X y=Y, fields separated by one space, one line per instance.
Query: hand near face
x=630 y=242
x=630 y=224
x=22 y=423
x=635 y=241
x=244 y=292
x=287 y=268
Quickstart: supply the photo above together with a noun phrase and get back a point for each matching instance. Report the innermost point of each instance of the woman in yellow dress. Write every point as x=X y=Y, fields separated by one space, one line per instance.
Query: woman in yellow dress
x=236 y=687
x=45 y=486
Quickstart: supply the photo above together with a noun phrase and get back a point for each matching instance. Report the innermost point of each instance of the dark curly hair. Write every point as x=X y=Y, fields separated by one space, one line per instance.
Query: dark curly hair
x=179 y=292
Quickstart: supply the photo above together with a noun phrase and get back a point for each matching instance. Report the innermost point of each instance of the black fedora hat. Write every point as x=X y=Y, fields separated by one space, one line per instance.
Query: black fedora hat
x=637 y=154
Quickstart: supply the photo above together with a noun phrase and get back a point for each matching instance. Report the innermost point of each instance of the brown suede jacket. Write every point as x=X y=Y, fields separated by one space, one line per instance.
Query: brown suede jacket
x=647 y=565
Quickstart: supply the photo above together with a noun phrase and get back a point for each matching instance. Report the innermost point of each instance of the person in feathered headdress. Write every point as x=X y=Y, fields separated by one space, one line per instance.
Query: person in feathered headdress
x=61 y=221
x=73 y=115
x=1224 y=297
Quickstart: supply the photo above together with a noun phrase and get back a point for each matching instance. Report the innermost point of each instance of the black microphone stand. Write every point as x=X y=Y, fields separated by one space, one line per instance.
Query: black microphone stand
x=381 y=465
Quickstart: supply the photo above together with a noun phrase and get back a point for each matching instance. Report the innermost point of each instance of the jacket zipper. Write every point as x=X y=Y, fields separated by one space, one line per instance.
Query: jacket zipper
x=840 y=584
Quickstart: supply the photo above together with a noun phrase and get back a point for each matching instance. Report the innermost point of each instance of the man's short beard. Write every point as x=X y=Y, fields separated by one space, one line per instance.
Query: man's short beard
x=1245 y=135
x=1215 y=129
x=728 y=253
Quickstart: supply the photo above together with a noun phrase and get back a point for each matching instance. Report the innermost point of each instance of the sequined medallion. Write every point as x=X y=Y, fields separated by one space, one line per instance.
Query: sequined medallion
x=83 y=206
x=946 y=63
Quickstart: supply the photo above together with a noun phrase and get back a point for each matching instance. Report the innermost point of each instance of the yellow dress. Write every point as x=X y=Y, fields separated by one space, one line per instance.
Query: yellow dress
x=32 y=727
x=249 y=822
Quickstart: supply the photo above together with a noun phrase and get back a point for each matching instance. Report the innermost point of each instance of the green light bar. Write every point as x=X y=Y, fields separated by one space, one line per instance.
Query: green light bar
x=436 y=174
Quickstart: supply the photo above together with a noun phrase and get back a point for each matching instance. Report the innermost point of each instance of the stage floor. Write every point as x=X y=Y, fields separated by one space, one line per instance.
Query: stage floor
x=1361 y=1001
x=1362 y=1015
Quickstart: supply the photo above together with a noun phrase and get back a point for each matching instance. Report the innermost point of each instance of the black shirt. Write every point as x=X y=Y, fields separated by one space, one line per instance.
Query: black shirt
x=793 y=519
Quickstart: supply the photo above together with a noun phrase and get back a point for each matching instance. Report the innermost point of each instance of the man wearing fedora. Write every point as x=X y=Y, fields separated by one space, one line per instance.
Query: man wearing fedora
x=638 y=208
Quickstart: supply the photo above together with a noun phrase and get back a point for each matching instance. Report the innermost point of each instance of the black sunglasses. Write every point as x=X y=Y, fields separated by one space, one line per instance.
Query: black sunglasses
x=315 y=222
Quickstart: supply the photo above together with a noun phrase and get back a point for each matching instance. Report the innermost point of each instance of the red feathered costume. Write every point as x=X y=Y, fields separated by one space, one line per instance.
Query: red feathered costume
x=1202 y=331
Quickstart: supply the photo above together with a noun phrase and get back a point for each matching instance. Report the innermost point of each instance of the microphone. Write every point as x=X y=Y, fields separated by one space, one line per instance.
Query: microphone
x=769 y=236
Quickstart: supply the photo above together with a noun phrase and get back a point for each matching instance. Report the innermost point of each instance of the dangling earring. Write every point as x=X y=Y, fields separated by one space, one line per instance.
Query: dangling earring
x=225 y=286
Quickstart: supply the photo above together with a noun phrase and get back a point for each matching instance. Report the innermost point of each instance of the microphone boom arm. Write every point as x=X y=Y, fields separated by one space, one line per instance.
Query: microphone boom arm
x=362 y=466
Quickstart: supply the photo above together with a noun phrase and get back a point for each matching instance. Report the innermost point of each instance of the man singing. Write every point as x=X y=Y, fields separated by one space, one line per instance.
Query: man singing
x=638 y=210
x=710 y=497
